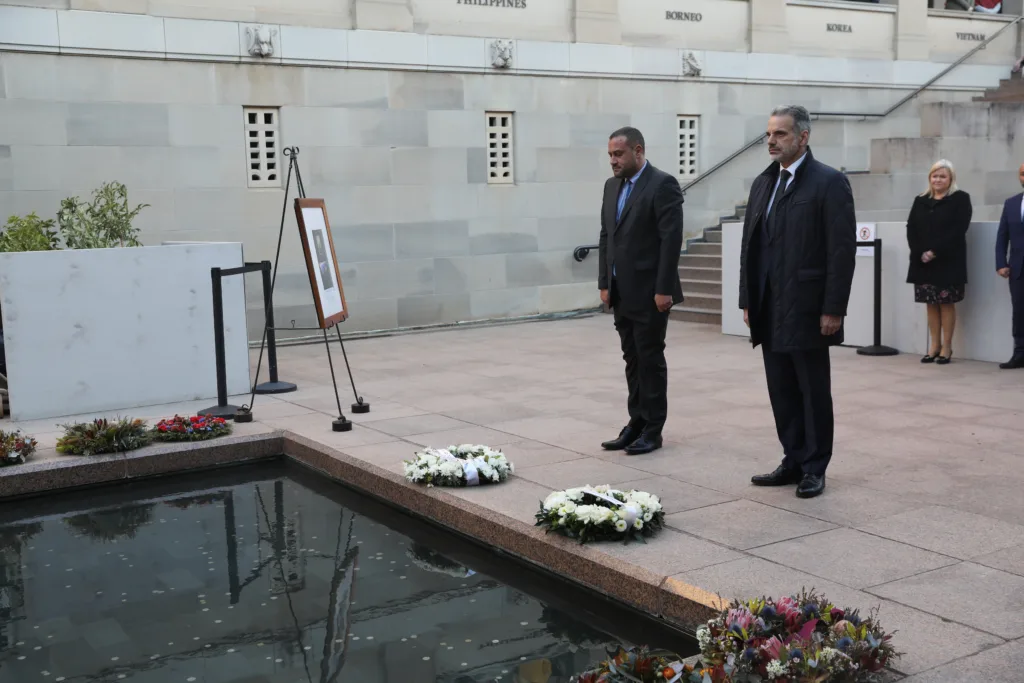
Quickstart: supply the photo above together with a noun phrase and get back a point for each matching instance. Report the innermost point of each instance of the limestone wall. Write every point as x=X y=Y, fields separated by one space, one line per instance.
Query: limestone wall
x=899 y=29
x=399 y=158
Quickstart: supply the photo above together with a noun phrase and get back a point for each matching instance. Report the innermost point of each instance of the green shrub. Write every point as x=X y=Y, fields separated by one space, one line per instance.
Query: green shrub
x=28 y=233
x=103 y=436
x=105 y=222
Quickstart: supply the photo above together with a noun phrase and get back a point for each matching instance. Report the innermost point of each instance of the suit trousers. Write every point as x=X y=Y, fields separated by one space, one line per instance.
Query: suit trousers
x=800 y=390
x=643 y=348
x=1017 y=300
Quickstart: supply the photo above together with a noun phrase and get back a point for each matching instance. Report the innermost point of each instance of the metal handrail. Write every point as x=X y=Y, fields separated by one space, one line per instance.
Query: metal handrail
x=581 y=252
x=872 y=115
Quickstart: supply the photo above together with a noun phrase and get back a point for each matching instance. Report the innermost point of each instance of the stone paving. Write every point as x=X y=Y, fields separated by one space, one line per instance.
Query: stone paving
x=923 y=515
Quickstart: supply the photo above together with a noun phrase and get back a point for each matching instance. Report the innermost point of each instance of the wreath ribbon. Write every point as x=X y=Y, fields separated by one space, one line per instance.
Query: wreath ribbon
x=630 y=511
x=469 y=467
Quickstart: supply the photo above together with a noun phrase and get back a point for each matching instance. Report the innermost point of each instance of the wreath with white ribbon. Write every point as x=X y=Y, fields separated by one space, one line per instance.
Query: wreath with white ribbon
x=601 y=513
x=464 y=465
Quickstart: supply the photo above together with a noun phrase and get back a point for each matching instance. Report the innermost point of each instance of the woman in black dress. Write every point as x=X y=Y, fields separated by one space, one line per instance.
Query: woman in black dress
x=937 y=235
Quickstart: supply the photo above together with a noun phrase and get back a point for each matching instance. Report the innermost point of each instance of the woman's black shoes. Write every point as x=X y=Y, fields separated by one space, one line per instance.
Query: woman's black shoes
x=929 y=359
x=943 y=360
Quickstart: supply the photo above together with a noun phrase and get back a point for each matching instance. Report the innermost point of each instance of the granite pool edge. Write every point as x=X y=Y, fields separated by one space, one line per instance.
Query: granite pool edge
x=684 y=605
x=37 y=477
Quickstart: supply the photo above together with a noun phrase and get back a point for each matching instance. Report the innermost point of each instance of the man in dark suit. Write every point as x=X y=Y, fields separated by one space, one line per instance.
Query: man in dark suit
x=1011 y=238
x=796 y=270
x=641 y=238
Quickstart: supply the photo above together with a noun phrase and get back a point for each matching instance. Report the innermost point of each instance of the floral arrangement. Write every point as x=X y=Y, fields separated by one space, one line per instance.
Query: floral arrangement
x=641 y=665
x=601 y=513
x=433 y=561
x=464 y=465
x=196 y=428
x=15 y=448
x=103 y=436
x=800 y=639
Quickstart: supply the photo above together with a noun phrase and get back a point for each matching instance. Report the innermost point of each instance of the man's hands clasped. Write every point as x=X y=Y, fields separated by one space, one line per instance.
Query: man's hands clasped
x=662 y=301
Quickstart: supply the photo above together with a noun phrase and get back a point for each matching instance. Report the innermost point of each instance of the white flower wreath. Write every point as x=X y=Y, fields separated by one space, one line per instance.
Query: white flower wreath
x=600 y=513
x=465 y=465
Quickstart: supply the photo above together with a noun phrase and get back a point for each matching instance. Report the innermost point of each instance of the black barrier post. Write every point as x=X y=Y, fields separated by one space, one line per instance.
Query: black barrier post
x=877 y=349
x=274 y=386
x=222 y=409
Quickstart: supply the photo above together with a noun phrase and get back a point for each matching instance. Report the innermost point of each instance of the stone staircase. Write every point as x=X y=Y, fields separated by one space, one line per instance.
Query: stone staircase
x=700 y=273
x=983 y=139
x=1010 y=90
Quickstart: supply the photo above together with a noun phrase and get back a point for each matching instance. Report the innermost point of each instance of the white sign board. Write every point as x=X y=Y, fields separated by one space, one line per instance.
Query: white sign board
x=865 y=233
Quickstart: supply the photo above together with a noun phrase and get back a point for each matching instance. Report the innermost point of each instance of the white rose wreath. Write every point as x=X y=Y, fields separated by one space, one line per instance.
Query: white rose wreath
x=601 y=513
x=465 y=465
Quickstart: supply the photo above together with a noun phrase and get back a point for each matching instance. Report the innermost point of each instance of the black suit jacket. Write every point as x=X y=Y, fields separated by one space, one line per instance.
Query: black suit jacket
x=814 y=254
x=644 y=245
x=1011 y=236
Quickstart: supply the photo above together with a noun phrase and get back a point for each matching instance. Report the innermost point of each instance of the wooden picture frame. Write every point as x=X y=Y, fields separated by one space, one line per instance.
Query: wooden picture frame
x=321 y=262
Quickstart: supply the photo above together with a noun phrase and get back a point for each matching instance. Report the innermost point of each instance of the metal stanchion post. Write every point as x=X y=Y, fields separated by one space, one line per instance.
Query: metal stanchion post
x=222 y=409
x=274 y=386
x=877 y=348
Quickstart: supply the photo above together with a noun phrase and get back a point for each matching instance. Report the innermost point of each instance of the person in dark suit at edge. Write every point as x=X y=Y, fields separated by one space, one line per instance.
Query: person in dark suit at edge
x=1011 y=237
x=796 y=270
x=641 y=239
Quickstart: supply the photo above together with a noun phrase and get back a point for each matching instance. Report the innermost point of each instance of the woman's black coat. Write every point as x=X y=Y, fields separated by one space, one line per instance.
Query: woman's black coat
x=940 y=227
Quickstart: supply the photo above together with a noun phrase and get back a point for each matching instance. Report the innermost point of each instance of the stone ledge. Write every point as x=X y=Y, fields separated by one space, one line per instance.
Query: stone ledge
x=73 y=32
x=686 y=606
x=69 y=472
x=680 y=603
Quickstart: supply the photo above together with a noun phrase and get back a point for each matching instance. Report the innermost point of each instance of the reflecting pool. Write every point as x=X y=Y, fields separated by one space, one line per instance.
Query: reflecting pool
x=271 y=574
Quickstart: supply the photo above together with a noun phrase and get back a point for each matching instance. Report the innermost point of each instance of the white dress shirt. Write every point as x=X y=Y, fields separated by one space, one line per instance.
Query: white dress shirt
x=792 y=174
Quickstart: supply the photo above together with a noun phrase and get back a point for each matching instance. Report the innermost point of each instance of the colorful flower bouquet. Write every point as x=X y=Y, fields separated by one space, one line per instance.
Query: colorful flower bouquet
x=601 y=513
x=465 y=465
x=103 y=436
x=801 y=639
x=196 y=428
x=15 y=448
x=641 y=665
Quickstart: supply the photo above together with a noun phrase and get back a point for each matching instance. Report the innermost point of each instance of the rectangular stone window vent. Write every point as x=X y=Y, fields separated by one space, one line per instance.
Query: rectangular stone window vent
x=263 y=146
x=499 y=148
x=688 y=128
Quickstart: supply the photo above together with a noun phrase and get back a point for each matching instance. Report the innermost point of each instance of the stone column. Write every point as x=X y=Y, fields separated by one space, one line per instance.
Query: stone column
x=912 y=30
x=383 y=15
x=597 y=21
x=768 y=29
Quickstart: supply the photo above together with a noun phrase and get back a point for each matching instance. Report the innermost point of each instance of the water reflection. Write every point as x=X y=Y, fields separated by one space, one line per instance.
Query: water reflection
x=265 y=581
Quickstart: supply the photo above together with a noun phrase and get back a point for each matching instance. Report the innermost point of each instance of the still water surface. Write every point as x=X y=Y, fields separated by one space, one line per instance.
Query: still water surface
x=274 y=575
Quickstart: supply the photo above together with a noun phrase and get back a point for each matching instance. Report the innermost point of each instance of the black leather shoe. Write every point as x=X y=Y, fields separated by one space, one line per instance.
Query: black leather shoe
x=628 y=435
x=1014 y=363
x=780 y=477
x=810 y=486
x=943 y=360
x=645 y=444
x=929 y=358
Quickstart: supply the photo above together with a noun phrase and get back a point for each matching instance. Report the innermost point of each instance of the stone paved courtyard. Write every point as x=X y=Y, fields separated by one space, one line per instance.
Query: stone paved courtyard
x=923 y=515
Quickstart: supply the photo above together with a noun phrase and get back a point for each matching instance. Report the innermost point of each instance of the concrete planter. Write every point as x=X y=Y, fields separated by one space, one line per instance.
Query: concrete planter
x=102 y=330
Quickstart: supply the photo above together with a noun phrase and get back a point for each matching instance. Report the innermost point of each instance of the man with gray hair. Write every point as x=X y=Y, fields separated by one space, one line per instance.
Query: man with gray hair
x=796 y=270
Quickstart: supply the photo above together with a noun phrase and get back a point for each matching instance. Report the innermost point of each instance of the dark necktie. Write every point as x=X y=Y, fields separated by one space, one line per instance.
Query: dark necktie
x=783 y=179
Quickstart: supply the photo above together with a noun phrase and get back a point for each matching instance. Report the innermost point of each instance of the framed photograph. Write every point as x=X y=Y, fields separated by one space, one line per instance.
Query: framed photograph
x=321 y=261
